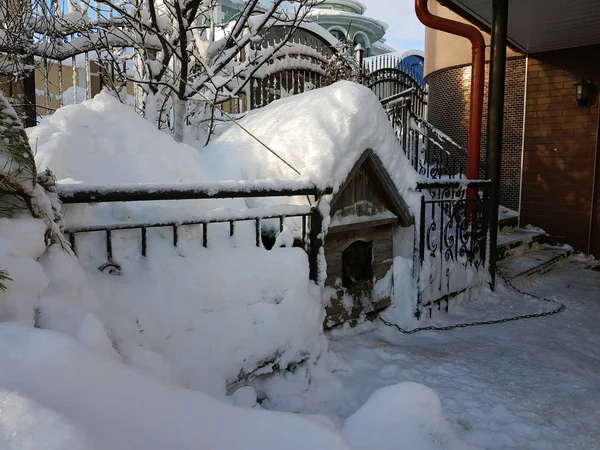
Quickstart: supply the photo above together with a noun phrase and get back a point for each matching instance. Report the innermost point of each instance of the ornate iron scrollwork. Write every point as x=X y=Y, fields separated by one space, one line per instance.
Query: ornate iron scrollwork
x=455 y=230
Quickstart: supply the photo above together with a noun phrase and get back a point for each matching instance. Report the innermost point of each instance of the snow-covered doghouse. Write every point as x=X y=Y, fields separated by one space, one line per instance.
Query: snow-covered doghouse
x=336 y=138
x=359 y=245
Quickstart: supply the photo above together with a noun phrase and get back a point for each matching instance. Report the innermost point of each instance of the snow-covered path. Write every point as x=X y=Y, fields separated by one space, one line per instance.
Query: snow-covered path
x=525 y=384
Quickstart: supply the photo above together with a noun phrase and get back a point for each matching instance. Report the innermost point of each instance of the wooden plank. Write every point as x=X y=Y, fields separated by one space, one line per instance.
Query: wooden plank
x=360 y=197
x=368 y=180
x=380 y=270
x=362 y=225
x=382 y=238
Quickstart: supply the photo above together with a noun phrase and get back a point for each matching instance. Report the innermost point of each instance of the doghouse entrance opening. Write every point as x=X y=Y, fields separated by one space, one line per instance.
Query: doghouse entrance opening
x=357 y=263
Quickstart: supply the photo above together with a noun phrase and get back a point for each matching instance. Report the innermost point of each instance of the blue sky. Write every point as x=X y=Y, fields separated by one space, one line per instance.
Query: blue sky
x=405 y=31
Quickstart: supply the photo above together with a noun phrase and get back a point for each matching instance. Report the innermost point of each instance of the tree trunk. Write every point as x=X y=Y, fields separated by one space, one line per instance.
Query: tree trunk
x=29 y=96
x=179 y=110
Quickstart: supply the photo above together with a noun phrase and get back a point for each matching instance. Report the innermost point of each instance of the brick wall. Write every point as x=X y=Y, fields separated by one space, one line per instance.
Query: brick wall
x=448 y=110
x=561 y=147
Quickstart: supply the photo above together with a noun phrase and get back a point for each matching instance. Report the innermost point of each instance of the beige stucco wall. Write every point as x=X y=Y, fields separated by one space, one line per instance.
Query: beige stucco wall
x=444 y=50
x=67 y=82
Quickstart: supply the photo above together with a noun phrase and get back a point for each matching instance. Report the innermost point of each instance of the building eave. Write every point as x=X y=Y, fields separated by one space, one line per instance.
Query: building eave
x=557 y=26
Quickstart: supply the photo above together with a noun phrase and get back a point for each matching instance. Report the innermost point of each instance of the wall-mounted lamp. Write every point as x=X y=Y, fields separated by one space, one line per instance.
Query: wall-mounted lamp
x=584 y=93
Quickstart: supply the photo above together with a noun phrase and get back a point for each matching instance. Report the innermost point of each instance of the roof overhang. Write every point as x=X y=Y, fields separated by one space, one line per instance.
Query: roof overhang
x=539 y=25
x=374 y=28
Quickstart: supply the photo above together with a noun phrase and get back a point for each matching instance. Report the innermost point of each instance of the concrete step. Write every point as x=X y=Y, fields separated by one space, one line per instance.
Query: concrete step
x=540 y=260
x=513 y=241
x=507 y=217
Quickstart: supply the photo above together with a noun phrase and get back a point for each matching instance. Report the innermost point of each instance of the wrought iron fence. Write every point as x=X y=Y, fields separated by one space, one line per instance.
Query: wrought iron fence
x=451 y=240
x=431 y=153
x=299 y=67
x=311 y=220
x=387 y=77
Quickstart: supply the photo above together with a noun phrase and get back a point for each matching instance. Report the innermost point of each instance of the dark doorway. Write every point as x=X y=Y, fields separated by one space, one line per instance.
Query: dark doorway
x=357 y=263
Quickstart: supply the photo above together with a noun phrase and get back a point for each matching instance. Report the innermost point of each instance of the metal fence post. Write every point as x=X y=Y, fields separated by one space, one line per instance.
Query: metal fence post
x=316 y=242
x=495 y=118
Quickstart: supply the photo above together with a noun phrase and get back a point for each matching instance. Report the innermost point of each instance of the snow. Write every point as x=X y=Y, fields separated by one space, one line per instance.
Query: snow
x=24 y=424
x=75 y=144
x=21 y=243
x=187 y=346
x=403 y=416
x=68 y=95
x=505 y=213
x=532 y=261
x=216 y=327
x=512 y=235
x=48 y=368
x=530 y=383
x=320 y=133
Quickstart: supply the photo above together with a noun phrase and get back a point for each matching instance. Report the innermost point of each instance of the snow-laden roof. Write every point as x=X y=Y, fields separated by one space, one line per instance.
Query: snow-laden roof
x=350 y=17
x=382 y=46
x=321 y=134
x=358 y=7
x=405 y=53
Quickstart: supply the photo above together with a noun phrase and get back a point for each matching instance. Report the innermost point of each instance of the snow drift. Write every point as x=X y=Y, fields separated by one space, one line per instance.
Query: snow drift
x=96 y=403
x=405 y=416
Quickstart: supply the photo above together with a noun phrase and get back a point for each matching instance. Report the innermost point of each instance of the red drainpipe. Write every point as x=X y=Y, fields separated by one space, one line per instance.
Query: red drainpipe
x=477 y=77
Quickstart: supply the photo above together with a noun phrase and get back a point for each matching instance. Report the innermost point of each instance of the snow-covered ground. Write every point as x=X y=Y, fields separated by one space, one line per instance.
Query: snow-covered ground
x=96 y=361
x=527 y=384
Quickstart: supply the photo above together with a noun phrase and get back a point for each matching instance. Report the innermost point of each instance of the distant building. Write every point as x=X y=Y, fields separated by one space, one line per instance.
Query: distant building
x=408 y=61
x=345 y=19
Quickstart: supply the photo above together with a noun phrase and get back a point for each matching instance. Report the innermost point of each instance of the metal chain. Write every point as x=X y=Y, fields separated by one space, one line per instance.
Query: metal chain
x=558 y=309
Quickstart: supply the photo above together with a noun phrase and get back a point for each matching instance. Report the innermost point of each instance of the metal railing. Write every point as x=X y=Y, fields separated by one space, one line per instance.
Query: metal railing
x=311 y=219
x=432 y=154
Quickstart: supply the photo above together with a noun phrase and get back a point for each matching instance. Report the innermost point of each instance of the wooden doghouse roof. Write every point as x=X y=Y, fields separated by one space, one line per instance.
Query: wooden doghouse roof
x=379 y=176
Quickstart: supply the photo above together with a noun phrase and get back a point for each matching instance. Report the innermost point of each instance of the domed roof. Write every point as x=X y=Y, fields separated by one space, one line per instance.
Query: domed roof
x=353 y=5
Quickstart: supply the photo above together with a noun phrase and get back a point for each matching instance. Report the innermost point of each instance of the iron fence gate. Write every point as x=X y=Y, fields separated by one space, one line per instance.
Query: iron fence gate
x=451 y=241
